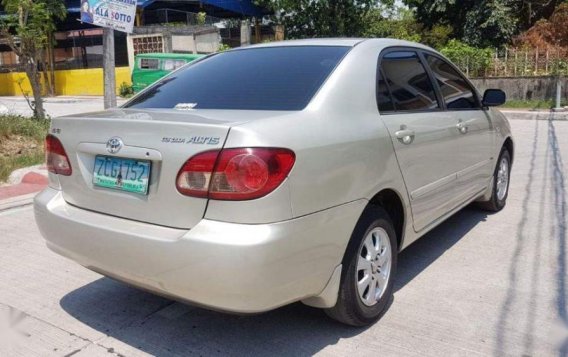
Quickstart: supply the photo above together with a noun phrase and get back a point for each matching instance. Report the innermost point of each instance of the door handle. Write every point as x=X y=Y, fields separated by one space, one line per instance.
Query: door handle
x=462 y=127
x=405 y=135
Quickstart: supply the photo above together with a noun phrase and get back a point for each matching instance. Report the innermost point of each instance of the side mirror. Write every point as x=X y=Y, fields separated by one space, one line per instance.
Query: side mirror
x=494 y=97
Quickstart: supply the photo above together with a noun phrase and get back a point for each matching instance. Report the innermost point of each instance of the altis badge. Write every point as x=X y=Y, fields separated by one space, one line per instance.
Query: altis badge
x=200 y=140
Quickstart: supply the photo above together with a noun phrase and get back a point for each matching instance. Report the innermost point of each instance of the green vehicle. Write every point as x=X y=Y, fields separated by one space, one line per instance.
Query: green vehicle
x=149 y=67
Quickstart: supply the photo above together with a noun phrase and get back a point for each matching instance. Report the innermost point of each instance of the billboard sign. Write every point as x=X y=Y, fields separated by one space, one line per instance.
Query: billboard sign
x=115 y=14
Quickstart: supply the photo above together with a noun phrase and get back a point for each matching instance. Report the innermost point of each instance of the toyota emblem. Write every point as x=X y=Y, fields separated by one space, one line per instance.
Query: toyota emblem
x=114 y=145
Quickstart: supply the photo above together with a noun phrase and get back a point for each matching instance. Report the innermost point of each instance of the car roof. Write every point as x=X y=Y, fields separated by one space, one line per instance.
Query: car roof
x=349 y=42
x=169 y=55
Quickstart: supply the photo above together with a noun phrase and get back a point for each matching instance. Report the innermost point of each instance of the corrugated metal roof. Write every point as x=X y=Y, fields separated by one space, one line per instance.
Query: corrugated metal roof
x=242 y=7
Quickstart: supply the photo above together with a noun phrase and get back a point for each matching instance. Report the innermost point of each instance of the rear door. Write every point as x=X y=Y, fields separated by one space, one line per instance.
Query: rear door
x=474 y=126
x=424 y=136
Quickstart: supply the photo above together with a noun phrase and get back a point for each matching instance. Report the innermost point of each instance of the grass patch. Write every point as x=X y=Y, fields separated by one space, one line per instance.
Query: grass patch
x=17 y=125
x=533 y=104
x=21 y=143
x=11 y=163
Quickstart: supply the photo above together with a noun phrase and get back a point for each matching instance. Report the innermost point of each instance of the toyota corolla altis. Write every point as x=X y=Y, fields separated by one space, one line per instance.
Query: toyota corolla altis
x=261 y=176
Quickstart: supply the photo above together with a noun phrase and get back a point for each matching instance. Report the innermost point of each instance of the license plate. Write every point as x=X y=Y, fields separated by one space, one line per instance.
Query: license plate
x=121 y=174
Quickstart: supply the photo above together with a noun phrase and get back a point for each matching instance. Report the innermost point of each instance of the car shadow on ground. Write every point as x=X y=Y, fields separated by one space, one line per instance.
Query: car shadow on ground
x=160 y=326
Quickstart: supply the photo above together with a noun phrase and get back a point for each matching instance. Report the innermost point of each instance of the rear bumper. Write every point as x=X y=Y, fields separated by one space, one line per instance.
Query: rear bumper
x=226 y=266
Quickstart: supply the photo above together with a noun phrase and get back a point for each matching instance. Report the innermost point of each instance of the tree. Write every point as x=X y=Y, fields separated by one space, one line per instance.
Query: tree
x=549 y=33
x=490 y=23
x=27 y=27
x=323 y=18
x=392 y=22
x=482 y=22
x=399 y=22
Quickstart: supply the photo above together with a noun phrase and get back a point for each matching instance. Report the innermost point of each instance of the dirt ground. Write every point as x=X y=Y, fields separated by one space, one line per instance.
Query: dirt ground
x=17 y=145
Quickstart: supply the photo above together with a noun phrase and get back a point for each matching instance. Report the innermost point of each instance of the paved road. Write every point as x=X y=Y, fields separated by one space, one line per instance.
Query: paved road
x=477 y=285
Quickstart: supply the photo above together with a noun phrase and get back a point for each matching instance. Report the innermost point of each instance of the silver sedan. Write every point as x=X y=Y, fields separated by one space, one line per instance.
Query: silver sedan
x=261 y=176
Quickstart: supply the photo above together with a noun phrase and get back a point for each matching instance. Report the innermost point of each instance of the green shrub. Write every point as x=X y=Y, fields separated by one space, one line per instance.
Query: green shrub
x=471 y=60
x=125 y=90
x=223 y=47
x=201 y=18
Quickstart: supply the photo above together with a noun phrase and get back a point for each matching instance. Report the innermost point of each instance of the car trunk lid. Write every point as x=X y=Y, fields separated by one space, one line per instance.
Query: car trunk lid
x=164 y=138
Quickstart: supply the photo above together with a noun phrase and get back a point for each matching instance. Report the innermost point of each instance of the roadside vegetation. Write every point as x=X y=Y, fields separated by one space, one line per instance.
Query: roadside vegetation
x=475 y=35
x=532 y=104
x=21 y=143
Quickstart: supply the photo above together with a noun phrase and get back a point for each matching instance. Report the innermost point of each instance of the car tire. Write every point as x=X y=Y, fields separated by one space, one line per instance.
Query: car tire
x=354 y=307
x=501 y=177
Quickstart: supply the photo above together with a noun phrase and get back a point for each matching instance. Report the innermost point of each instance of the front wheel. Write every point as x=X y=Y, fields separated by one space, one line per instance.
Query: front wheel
x=369 y=267
x=500 y=183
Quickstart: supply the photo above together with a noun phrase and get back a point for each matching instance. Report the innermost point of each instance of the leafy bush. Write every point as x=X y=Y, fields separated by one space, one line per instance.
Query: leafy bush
x=125 y=90
x=223 y=47
x=472 y=60
x=559 y=67
x=201 y=18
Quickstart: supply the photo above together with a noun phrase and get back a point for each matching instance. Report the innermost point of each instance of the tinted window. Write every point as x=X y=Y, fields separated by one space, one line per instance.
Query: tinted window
x=457 y=93
x=276 y=78
x=409 y=84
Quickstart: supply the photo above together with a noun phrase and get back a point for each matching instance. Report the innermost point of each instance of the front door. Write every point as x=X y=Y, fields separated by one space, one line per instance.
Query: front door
x=424 y=137
x=475 y=128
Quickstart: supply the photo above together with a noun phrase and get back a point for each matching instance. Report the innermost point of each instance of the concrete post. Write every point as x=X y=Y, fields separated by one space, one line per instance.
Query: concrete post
x=245 y=33
x=558 y=93
x=108 y=68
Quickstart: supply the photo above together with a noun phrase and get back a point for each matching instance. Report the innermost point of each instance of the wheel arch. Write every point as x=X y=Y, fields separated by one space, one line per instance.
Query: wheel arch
x=391 y=201
x=508 y=144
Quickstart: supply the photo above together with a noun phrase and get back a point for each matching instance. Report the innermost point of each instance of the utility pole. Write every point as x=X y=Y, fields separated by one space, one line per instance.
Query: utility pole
x=108 y=68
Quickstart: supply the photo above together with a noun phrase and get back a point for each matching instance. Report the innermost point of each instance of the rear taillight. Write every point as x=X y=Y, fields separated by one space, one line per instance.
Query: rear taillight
x=56 y=157
x=235 y=174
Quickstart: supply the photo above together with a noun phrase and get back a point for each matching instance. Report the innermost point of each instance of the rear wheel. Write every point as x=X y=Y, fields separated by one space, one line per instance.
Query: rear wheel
x=369 y=267
x=500 y=183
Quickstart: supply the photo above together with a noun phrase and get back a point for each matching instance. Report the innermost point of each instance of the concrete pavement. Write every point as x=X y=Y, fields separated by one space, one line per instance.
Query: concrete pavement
x=479 y=284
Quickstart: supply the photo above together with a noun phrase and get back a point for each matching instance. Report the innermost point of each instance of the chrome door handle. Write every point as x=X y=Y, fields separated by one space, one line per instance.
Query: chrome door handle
x=461 y=127
x=405 y=135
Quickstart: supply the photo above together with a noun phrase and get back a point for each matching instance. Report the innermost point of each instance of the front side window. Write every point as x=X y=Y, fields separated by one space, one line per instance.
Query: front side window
x=403 y=78
x=271 y=78
x=456 y=91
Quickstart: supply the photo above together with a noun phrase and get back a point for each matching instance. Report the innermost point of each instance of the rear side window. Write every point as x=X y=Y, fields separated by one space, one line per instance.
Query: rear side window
x=171 y=64
x=404 y=80
x=456 y=91
x=149 y=63
x=272 y=78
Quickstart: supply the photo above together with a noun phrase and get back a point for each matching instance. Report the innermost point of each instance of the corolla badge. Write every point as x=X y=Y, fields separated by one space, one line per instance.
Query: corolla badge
x=114 y=144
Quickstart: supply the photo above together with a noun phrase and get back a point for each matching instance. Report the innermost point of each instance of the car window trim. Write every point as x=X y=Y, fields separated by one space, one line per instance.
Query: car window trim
x=434 y=81
x=476 y=94
x=417 y=50
x=382 y=73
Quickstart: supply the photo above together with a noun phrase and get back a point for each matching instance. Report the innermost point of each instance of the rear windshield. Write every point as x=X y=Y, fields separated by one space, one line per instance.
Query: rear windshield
x=273 y=78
